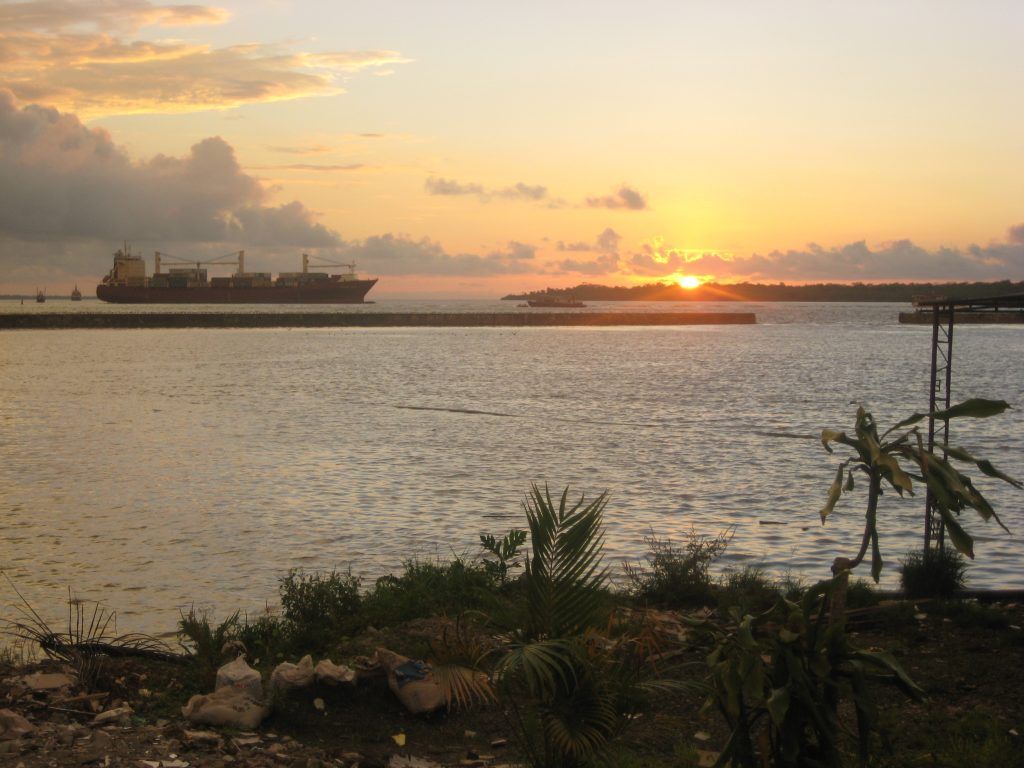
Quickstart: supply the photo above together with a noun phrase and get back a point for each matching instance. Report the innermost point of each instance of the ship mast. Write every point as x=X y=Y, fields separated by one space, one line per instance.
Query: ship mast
x=306 y=264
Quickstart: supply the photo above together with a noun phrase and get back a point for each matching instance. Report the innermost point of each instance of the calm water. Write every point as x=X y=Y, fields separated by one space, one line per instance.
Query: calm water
x=156 y=468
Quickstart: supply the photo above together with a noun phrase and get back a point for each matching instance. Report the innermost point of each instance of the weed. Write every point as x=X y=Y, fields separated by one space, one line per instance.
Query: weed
x=266 y=638
x=320 y=607
x=677 y=575
x=504 y=552
x=430 y=587
x=861 y=593
x=204 y=642
x=750 y=588
x=979 y=741
x=933 y=572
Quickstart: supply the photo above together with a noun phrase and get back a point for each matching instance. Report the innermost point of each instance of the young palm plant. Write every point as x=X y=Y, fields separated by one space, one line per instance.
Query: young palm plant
x=554 y=702
x=563 y=680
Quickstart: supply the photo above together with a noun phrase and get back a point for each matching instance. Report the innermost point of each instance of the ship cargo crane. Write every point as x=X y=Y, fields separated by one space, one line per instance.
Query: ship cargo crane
x=306 y=264
x=228 y=258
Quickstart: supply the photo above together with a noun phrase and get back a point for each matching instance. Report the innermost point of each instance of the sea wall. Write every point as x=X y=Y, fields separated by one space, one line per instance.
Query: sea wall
x=972 y=318
x=61 y=321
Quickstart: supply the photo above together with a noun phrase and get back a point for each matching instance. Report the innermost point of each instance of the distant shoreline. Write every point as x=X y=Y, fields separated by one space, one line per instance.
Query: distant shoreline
x=780 y=292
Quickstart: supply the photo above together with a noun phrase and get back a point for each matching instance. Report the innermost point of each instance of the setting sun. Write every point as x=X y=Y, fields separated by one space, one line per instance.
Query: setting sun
x=688 y=281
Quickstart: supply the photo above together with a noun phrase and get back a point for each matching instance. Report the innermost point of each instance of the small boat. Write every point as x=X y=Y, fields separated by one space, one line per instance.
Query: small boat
x=40 y=295
x=76 y=295
x=556 y=302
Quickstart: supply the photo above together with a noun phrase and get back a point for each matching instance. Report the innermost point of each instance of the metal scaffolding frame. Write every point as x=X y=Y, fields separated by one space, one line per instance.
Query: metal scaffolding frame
x=944 y=312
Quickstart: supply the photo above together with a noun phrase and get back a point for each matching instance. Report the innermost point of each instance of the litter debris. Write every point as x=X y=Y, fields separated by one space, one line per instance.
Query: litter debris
x=334 y=674
x=13 y=726
x=47 y=681
x=241 y=677
x=412 y=682
x=226 y=708
x=118 y=715
x=286 y=676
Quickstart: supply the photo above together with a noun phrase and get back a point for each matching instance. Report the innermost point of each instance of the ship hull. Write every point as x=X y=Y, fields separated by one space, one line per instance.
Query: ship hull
x=346 y=292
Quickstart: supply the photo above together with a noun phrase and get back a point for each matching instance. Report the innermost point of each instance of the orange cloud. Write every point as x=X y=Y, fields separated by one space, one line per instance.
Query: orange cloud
x=128 y=15
x=69 y=55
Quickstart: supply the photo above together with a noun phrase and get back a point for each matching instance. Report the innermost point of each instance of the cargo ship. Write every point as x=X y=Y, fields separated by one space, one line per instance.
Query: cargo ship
x=127 y=283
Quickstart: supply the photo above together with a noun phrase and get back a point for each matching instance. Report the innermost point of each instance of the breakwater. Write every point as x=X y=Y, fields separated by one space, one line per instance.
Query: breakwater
x=78 y=320
x=972 y=318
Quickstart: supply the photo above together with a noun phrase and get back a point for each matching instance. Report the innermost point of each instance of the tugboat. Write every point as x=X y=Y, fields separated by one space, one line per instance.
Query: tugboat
x=76 y=295
x=556 y=302
x=40 y=295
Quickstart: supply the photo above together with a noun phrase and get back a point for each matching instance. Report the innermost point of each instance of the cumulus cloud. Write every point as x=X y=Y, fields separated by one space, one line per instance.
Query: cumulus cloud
x=517 y=191
x=606 y=242
x=452 y=187
x=311 y=167
x=60 y=179
x=71 y=55
x=104 y=14
x=606 y=245
x=899 y=260
x=624 y=197
x=1016 y=234
x=399 y=255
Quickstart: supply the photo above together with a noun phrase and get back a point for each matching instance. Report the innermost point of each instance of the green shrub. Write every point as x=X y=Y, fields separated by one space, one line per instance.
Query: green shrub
x=204 y=642
x=861 y=593
x=979 y=740
x=677 y=575
x=503 y=552
x=268 y=639
x=321 y=607
x=933 y=573
x=426 y=588
x=749 y=588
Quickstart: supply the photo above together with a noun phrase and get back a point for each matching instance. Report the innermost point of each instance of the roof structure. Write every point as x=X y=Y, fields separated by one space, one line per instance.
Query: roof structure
x=1012 y=301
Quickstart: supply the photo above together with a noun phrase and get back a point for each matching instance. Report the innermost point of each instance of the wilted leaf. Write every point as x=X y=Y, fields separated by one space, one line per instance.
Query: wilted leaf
x=976 y=407
x=778 y=705
x=834 y=492
x=831 y=436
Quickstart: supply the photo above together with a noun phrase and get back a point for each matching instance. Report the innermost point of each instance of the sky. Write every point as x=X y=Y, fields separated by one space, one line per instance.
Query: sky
x=472 y=149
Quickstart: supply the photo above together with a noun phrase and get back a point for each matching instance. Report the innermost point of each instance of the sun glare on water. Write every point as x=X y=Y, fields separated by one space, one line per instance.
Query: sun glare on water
x=688 y=281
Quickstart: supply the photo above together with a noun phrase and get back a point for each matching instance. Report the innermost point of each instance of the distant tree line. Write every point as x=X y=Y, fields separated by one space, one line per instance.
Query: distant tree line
x=895 y=292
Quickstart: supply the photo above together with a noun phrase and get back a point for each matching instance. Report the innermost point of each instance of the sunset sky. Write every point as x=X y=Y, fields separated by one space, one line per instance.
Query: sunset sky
x=469 y=149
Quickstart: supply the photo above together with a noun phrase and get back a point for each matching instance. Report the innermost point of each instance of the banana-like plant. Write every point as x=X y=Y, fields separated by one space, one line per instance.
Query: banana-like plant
x=777 y=679
x=899 y=458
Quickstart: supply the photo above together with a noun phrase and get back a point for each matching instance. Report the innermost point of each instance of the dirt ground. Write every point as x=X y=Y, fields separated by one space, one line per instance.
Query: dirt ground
x=969 y=658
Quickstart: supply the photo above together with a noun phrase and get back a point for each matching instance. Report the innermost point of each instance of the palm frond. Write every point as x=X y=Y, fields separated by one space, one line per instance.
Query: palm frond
x=564 y=576
x=463 y=687
x=544 y=667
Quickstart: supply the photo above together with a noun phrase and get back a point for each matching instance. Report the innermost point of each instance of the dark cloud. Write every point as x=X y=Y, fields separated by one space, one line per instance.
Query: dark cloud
x=451 y=187
x=579 y=245
x=60 y=179
x=518 y=191
x=1016 y=234
x=522 y=191
x=625 y=197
